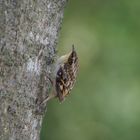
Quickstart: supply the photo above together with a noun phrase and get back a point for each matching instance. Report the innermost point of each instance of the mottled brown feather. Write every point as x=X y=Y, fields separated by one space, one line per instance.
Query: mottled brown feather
x=66 y=75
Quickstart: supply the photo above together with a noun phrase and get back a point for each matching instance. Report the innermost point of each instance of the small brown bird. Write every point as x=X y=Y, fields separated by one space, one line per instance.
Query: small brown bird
x=65 y=75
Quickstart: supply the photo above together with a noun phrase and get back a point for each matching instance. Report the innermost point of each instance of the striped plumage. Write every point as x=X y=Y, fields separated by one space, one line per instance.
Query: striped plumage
x=66 y=74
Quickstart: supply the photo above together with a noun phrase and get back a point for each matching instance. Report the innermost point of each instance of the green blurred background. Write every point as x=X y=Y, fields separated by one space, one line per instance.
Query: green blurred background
x=105 y=102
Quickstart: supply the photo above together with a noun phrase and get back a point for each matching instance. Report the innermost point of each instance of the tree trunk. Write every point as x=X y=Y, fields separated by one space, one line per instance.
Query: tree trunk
x=28 y=32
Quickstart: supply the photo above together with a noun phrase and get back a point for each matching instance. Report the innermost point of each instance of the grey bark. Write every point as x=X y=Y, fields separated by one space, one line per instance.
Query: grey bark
x=28 y=35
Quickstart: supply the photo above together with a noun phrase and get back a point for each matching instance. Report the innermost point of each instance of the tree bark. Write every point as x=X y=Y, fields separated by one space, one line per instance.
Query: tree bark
x=28 y=36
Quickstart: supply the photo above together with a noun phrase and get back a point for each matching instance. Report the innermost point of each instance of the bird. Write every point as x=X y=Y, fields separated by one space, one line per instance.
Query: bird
x=65 y=75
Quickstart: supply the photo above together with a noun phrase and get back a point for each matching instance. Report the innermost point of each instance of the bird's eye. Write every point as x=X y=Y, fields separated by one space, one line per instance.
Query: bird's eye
x=59 y=72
